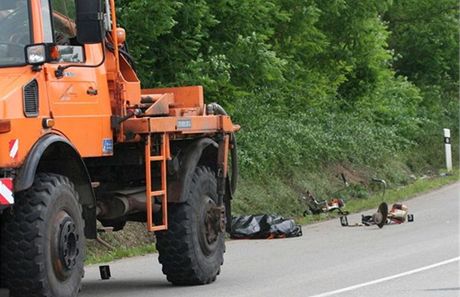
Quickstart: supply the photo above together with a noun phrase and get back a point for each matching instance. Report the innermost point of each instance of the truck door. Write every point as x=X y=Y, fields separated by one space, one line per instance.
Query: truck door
x=76 y=96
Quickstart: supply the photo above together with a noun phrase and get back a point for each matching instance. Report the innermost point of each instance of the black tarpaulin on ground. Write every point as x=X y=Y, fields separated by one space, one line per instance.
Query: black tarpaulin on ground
x=264 y=227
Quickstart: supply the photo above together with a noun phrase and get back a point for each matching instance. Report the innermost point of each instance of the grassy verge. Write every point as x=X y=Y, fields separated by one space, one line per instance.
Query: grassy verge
x=119 y=253
x=99 y=254
x=133 y=240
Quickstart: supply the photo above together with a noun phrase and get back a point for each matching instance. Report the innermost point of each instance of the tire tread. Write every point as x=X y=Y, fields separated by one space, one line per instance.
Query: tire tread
x=22 y=267
x=176 y=247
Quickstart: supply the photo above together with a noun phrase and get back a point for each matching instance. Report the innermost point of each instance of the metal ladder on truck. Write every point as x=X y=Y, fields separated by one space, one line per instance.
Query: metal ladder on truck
x=162 y=149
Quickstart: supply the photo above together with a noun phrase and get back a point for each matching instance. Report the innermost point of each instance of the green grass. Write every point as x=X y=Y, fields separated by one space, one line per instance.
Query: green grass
x=399 y=194
x=119 y=253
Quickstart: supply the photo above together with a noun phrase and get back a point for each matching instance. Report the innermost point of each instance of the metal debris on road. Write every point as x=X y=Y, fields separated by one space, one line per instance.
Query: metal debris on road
x=398 y=214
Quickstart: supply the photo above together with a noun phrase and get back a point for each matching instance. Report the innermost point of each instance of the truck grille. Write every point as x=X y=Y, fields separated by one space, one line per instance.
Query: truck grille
x=31 y=99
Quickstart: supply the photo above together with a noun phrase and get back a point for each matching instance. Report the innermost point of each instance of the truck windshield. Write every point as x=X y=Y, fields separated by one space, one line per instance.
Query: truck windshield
x=14 y=32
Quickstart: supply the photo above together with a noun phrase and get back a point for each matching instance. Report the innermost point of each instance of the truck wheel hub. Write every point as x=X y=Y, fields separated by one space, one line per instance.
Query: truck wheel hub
x=68 y=243
x=214 y=222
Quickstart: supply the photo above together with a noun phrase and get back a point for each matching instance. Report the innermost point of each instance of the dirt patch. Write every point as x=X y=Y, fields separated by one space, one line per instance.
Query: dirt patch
x=133 y=235
x=353 y=176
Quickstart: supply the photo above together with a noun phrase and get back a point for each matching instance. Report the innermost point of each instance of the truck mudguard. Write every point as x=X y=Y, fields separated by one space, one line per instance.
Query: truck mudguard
x=55 y=154
x=190 y=159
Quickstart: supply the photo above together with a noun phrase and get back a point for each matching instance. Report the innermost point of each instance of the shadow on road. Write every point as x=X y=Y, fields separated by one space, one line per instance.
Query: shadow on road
x=120 y=286
x=132 y=287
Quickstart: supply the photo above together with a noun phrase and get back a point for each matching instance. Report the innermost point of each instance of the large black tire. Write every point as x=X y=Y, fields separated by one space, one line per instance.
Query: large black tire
x=189 y=254
x=42 y=240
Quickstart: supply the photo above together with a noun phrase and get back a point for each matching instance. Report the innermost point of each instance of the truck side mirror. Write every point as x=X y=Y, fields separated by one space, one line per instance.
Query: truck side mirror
x=89 y=21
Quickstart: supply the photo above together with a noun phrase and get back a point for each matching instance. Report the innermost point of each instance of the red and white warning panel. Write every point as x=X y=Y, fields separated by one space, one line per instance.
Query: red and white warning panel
x=13 y=148
x=6 y=192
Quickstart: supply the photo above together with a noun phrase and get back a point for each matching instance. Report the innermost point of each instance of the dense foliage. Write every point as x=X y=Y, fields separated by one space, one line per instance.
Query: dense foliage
x=311 y=82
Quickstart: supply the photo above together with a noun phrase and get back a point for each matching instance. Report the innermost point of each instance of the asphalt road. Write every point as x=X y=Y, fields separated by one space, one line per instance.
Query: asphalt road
x=414 y=259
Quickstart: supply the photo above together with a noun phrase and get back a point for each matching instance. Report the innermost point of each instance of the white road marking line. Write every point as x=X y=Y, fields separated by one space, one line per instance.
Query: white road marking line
x=381 y=280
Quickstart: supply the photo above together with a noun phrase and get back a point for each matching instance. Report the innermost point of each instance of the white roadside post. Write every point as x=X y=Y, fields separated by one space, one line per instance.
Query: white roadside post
x=448 y=149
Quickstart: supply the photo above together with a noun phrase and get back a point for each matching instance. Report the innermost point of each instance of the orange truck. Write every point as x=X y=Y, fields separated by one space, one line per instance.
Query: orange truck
x=84 y=149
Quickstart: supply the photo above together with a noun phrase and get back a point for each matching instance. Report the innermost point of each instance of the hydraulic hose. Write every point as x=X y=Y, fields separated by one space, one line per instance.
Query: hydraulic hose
x=215 y=108
x=235 y=167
